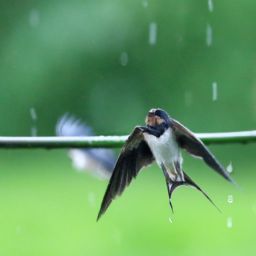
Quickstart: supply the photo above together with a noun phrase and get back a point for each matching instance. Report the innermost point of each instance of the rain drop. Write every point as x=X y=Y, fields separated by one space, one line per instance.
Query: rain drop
x=170 y=220
x=254 y=208
x=18 y=230
x=33 y=131
x=145 y=3
x=34 y=18
x=33 y=116
x=117 y=236
x=152 y=33
x=124 y=58
x=229 y=222
x=188 y=98
x=210 y=5
x=230 y=199
x=230 y=168
x=209 y=35
x=214 y=91
x=91 y=198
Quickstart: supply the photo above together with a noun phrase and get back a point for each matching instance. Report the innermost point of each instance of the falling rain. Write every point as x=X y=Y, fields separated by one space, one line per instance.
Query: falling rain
x=152 y=33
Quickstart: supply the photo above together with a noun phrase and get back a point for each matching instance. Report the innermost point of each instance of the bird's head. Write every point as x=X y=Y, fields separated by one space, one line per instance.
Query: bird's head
x=157 y=117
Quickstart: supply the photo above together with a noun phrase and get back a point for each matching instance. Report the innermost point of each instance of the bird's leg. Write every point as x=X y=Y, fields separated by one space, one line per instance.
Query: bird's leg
x=180 y=175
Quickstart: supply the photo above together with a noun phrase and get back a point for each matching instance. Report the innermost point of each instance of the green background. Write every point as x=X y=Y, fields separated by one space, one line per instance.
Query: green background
x=64 y=56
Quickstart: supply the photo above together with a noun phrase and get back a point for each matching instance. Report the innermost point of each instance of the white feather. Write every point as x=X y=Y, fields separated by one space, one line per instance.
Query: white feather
x=83 y=162
x=165 y=150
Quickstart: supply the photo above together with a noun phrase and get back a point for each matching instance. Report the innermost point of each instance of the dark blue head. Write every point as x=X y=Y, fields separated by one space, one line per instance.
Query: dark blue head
x=158 y=117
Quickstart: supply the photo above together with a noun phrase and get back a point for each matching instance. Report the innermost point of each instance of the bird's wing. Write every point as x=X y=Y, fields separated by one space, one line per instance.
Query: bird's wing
x=135 y=154
x=100 y=161
x=69 y=125
x=187 y=140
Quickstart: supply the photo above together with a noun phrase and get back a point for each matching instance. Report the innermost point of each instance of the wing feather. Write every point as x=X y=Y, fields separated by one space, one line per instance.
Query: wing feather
x=134 y=155
x=193 y=145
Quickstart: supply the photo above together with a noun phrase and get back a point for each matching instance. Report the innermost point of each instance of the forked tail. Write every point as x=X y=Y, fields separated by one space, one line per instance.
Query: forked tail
x=172 y=185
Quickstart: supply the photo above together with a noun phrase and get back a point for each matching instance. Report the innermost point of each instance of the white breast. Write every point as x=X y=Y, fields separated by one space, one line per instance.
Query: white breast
x=165 y=148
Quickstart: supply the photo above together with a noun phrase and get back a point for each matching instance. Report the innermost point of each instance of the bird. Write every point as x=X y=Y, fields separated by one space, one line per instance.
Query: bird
x=99 y=162
x=160 y=140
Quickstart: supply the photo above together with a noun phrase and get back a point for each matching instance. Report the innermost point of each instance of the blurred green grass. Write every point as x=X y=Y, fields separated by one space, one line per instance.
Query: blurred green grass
x=49 y=209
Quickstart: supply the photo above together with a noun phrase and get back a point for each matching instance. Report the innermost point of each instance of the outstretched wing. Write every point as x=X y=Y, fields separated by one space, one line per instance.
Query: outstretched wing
x=187 y=140
x=135 y=154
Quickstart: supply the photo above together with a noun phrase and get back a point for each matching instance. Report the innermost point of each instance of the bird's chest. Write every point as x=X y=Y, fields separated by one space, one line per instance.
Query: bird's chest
x=165 y=148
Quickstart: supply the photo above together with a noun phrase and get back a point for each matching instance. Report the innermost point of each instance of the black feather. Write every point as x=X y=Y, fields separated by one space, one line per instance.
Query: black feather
x=187 y=140
x=135 y=155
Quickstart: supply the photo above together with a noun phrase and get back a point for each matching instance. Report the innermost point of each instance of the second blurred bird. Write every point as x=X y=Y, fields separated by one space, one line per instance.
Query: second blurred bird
x=99 y=162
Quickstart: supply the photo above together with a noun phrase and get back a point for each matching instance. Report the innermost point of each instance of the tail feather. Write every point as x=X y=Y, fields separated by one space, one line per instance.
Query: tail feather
x=190 y=182
x=172 y=185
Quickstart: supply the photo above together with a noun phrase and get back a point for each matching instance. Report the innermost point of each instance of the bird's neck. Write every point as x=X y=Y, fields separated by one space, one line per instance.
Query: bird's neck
x=156 y=130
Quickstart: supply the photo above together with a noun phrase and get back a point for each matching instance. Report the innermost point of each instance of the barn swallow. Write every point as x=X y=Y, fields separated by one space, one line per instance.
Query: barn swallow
x=100 y=162
x=161 y=140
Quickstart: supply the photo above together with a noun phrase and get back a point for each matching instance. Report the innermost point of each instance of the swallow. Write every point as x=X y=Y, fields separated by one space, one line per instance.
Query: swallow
x=99 y=162
x=161 y=140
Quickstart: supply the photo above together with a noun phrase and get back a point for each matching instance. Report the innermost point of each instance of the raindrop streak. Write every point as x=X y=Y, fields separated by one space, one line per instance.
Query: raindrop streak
x=170 y=220
x=210 y=5
x=18 y=230
x=124 y=58
x=152 y=33
x=229 y=222
x=145 y=3
x=33 y=131
x=34 y=18
x=188 y=98
x=209 y=35
x=230 y=168
x=33 y=115
x=214 y=91
x=230 y=199
x=117 y=236
x=254 y=208
x=91 y=198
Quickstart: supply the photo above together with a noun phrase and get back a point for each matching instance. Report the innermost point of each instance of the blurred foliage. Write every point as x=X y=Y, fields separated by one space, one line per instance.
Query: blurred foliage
x=59 y=56
x=66 y=56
